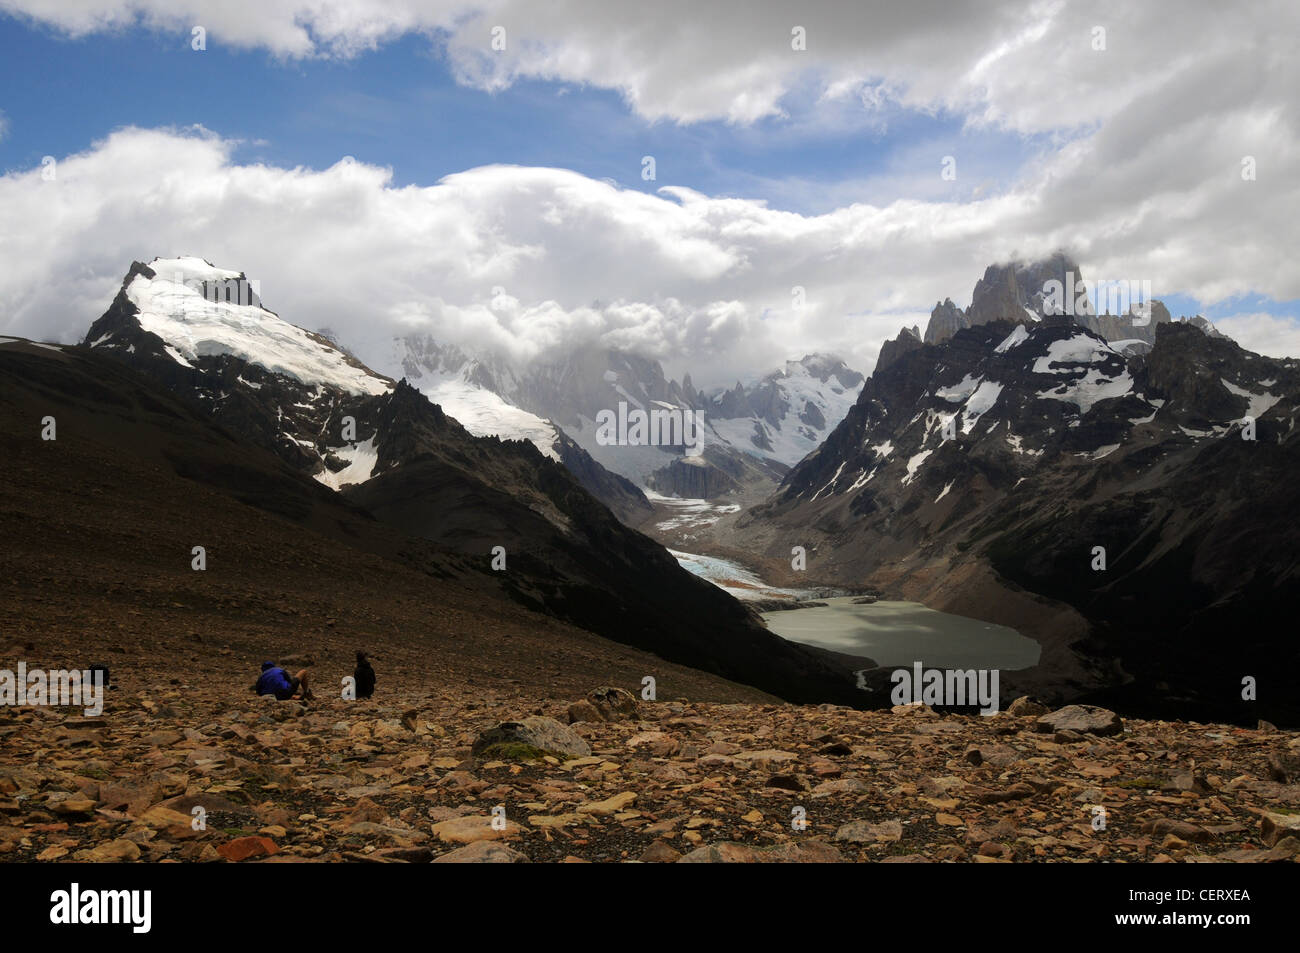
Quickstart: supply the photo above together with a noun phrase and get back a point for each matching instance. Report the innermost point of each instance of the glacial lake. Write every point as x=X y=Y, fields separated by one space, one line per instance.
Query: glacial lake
x=900 y=633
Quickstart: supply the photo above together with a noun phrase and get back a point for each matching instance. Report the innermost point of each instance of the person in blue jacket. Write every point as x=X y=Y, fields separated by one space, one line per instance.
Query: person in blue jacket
x=276 y=681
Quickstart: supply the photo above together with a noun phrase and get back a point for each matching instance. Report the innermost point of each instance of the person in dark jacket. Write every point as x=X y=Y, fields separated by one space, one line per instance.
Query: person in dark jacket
x=276 y=681
x=365 y=676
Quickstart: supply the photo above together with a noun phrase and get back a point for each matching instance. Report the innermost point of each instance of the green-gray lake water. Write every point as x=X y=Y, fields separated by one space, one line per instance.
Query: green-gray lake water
x=900 y=633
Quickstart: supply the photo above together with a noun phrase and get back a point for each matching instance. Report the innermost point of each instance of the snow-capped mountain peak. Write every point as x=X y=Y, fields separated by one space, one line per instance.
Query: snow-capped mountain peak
x=200 y=310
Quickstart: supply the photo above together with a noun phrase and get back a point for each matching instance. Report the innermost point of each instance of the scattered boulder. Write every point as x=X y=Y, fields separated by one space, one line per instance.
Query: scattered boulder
x=604 y=704
x=536 y=735
x=1026 y=707
x=1086 y=719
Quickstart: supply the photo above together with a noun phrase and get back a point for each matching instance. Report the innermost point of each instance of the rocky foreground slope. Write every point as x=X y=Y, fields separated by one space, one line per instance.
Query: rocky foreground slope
x=406 y=778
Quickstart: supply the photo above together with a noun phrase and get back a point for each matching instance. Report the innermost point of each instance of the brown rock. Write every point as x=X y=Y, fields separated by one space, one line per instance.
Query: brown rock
x=865 y=832
x=114 y=852
x=1274 y=827
x=659 y=853
x=472 y=829
x=242 y=848
x=1180 y=829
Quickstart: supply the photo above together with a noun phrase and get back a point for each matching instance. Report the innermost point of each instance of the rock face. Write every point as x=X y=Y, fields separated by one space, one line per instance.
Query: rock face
x=1014 y=292
x=1007 y=292
x=545 y=734
x=989 y=475
x=1123 y=327
x=945 y=320
x=909 y=339
x=697 y=478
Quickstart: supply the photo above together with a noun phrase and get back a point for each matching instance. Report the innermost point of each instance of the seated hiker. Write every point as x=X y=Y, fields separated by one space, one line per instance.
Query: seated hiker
x=276 y=681
x=364 y=676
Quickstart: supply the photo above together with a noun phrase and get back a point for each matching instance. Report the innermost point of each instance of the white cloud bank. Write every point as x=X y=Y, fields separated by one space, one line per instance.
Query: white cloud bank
x=1145 y=183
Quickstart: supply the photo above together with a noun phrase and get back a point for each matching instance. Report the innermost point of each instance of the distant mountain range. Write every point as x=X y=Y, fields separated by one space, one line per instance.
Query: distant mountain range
x=986 y=468
x=751 y=433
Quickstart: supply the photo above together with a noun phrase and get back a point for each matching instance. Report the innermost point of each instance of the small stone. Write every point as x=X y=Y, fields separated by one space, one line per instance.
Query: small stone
x=610 y=805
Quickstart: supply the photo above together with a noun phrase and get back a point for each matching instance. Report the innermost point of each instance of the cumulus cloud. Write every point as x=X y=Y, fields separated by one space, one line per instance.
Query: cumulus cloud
x=536 y=261
x=1142 y=178
x=1262 y=333
x=1029 y=65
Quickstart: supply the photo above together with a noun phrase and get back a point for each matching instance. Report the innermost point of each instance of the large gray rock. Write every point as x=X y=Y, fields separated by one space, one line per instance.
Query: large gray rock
x=545 y=734
x=1085 y=719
